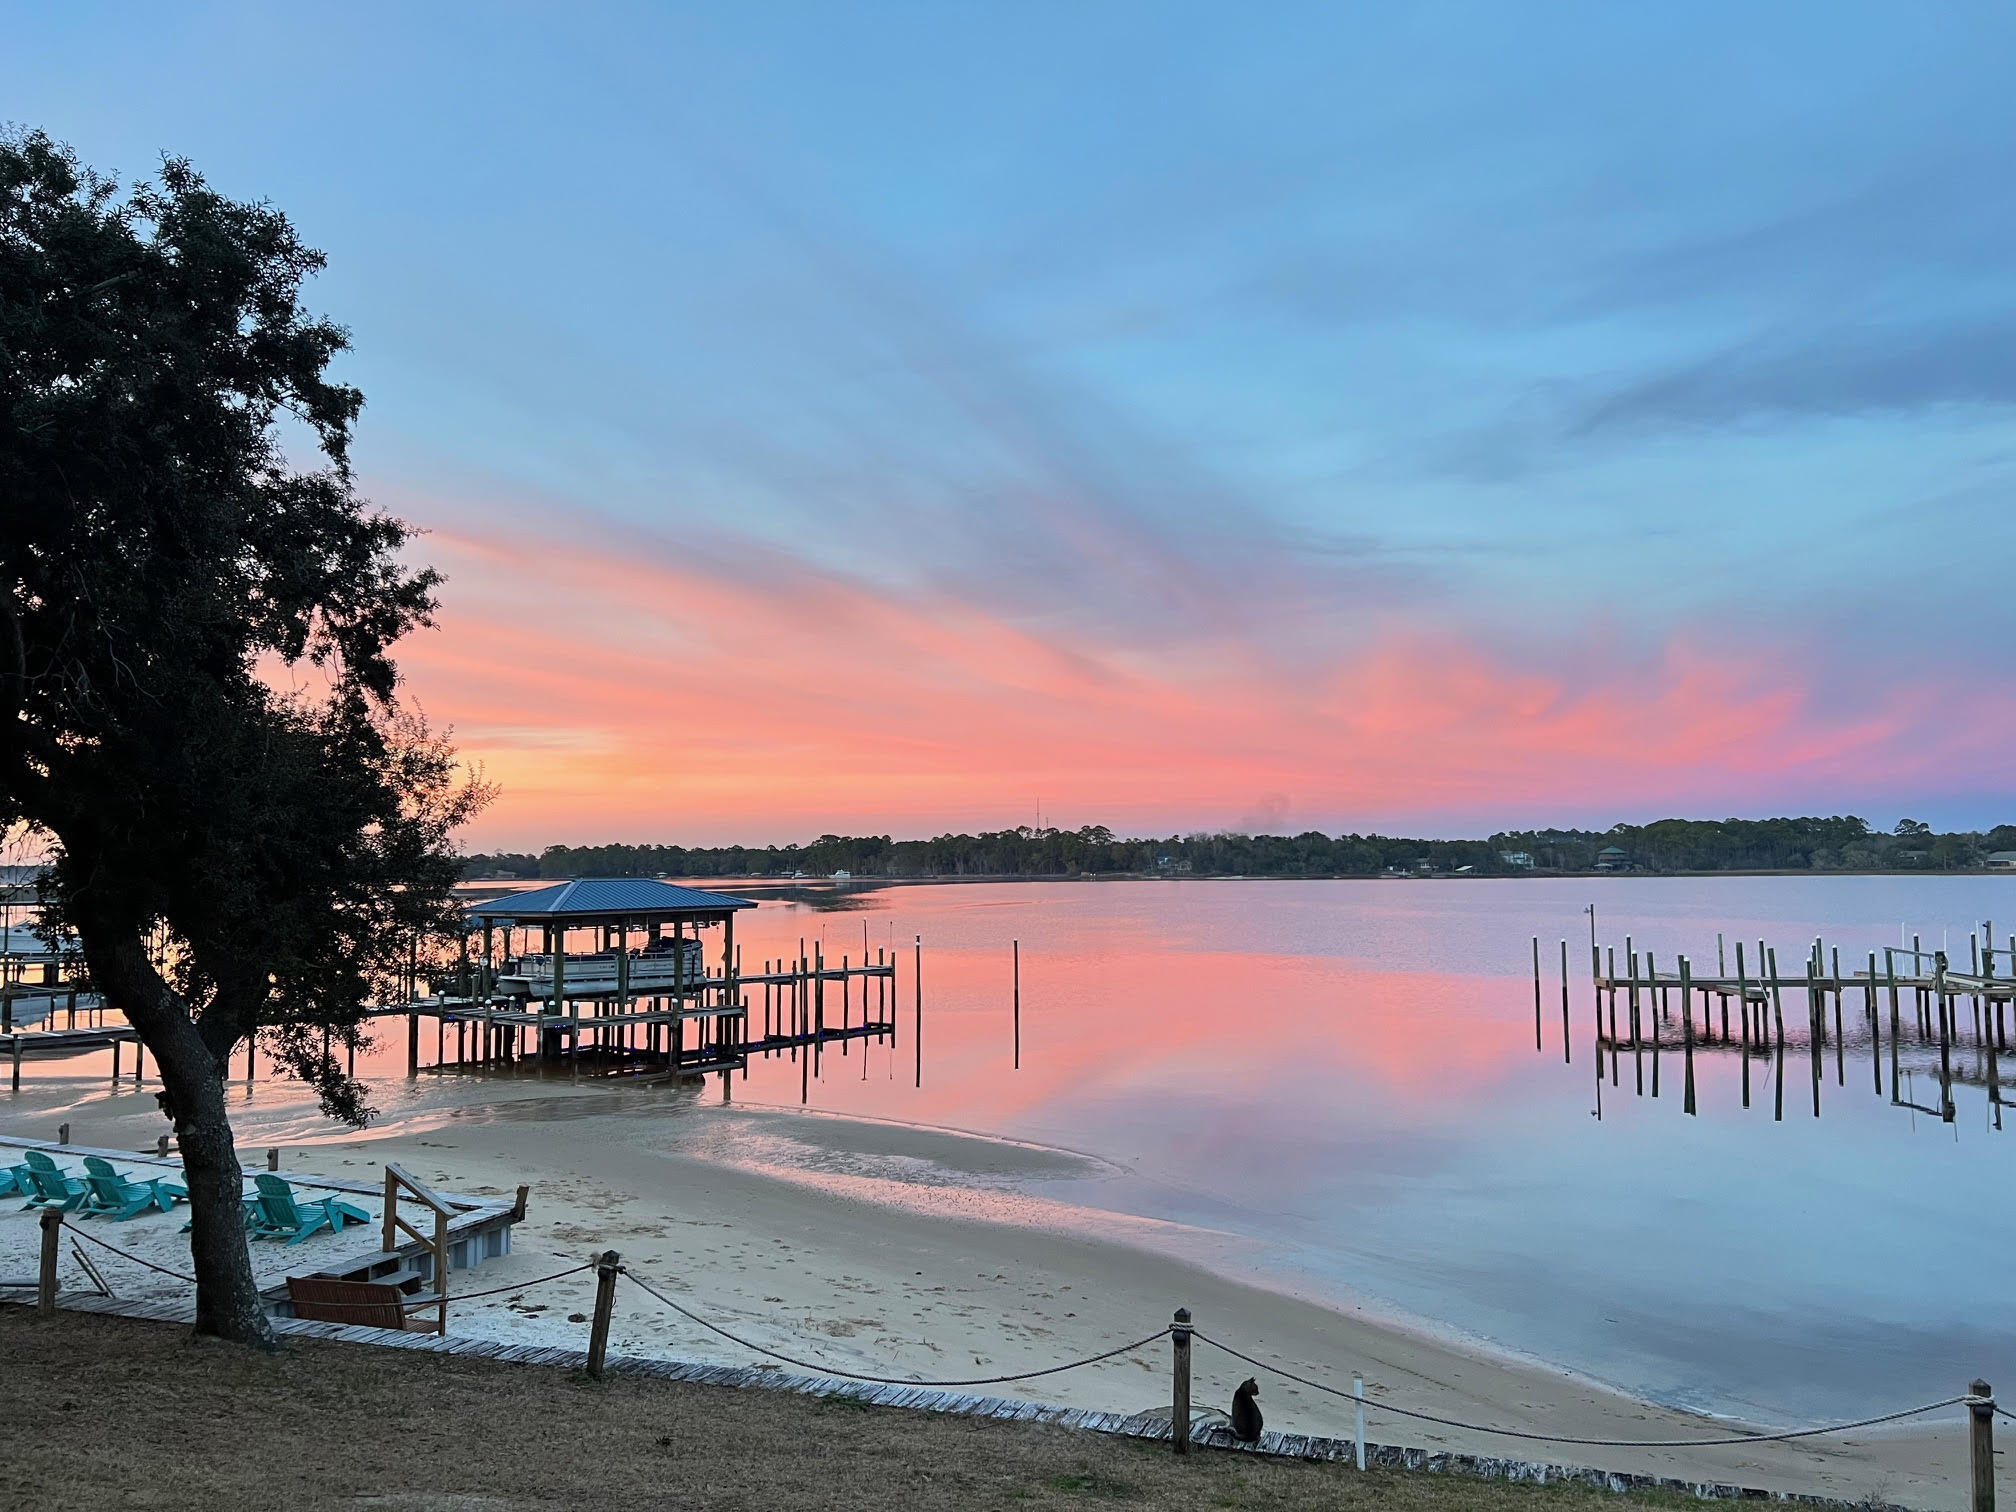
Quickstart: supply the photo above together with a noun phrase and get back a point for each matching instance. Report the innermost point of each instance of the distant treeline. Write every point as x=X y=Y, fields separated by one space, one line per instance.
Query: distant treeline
x=1836 y=844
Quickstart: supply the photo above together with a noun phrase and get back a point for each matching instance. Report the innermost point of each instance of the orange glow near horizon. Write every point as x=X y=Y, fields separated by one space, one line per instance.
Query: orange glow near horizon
x=638 y=696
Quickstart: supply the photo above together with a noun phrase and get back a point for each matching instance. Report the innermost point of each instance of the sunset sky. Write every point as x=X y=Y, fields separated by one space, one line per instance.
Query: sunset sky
x=888 y=418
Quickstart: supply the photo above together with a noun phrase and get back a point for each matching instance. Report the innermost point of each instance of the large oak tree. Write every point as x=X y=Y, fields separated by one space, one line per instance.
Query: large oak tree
x=198 y=705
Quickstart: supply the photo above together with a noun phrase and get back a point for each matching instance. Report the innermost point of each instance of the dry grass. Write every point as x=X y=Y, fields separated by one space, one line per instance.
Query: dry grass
x=107 y=1413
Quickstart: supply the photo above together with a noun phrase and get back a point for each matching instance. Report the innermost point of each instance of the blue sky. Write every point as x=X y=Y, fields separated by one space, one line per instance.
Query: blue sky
x=1261 y=357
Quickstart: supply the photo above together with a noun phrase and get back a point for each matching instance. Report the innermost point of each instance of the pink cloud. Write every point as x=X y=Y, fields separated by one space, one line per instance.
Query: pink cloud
x=633 y=692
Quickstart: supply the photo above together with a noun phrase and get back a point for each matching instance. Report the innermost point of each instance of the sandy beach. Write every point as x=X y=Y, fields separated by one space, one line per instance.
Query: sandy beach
x=888 y=1249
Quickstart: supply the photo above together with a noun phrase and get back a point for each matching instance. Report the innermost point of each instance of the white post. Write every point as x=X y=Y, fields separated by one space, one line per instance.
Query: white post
x=1358 y=1395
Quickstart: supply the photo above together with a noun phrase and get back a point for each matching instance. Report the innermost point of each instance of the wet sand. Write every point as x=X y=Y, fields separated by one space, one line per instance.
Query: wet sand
x=893 y=1250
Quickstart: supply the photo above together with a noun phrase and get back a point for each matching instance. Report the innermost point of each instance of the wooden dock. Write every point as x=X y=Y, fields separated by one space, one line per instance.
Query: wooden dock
x=21 y=1042
x=1904 y=1005
x=714 y=1024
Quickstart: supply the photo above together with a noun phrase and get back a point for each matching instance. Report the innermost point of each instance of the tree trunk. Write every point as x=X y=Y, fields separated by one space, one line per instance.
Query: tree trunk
x=192 y=1081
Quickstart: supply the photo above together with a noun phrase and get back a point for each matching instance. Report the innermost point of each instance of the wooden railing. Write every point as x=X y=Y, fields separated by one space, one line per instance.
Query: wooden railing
x=434 y=1238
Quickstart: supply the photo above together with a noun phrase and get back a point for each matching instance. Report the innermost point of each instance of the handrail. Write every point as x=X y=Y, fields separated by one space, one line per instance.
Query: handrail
x=397 y=1179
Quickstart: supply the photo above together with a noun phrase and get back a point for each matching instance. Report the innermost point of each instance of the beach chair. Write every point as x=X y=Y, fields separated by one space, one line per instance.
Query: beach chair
x=254 y=1221
x=9 y=1182
x=119 y=1196
x=49 y=1186
x=284 y=1215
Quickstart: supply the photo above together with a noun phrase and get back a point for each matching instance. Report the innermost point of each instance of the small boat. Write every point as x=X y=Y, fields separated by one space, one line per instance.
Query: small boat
x=663 y=965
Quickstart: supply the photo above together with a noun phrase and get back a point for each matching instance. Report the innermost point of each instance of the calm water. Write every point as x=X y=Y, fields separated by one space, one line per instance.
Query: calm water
x=1344 y=1074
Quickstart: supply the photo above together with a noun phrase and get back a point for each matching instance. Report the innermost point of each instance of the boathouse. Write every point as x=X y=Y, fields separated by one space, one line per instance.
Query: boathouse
x=616 y=909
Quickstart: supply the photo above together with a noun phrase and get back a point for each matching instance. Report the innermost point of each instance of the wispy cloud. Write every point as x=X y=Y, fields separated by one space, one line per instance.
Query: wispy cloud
x=641 y=694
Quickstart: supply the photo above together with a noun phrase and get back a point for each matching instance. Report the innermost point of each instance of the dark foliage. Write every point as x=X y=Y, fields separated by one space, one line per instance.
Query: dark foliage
x=162 y=567
x=1668 y=845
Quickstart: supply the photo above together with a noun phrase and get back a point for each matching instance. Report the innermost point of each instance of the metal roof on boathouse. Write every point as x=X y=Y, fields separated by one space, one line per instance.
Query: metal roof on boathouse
x=588 y=899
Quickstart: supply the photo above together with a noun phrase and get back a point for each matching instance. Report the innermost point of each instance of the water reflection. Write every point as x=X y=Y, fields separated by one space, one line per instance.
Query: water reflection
x=1342 y=1077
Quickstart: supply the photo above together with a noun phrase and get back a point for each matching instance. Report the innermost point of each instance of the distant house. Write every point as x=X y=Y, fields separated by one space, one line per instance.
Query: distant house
x=2002 y=860
x=1612 y=858
x=1521 y=859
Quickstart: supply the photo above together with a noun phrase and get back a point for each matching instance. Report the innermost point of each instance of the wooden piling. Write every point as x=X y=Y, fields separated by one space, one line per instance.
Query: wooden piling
x=1658 y=1045
x=1981 y=1446
x=1777 y=1003
x=45 y=1281
x=1778 y=1077
x=1946 y=1109
x=1567 y=1054
x=1613 y=1001
x=917 y=985
x=1875 y=1029
x=1687 y=1032
x=1017 y=947
x=1637 y=1026
x=1817 y=1023
x=1536 y=993
x=605 y=1304
x=1179 y=1396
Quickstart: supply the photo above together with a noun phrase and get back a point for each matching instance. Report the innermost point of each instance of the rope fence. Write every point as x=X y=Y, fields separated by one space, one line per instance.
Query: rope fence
x=854 y=1375
x=1601 y=1443
x=1981 y=1404
x=78 y=1233
x=494 y=1291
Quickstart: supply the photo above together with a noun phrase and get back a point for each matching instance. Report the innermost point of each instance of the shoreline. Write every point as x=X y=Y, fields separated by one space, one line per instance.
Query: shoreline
x=840 y=887
x=815 y=1260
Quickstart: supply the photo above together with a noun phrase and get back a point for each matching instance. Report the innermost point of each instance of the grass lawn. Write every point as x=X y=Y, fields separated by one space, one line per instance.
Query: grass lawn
x=108 y=1413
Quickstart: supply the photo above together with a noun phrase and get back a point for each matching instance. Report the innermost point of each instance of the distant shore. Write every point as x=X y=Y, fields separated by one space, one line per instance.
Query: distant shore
x=825 y=885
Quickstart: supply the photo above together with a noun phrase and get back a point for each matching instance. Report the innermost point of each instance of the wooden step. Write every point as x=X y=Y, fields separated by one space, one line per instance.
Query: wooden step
x=367 y=1267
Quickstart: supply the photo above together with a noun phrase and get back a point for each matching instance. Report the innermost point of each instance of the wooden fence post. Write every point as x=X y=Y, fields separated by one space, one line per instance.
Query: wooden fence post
x=1982 y=1445
x=1179 y=1405
x=45 y=1283
x=272 y=1158
x=605 y=1303
x=63 y=1134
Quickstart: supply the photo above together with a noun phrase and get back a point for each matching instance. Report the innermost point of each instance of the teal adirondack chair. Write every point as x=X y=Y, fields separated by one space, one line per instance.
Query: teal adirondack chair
x=283 y=1215
x=10 y=1182
x=119 y=1196
x=48 y=1185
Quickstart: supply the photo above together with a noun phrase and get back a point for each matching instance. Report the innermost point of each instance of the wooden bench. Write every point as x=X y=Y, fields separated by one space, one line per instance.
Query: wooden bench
x=368 y=1304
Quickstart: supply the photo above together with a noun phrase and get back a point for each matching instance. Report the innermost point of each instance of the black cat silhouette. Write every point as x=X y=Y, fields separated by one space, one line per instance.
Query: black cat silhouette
x=1246 y=1412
